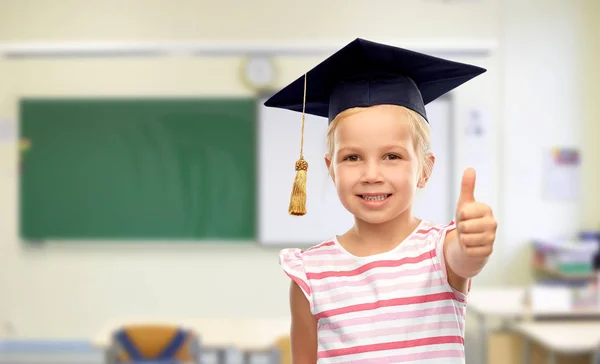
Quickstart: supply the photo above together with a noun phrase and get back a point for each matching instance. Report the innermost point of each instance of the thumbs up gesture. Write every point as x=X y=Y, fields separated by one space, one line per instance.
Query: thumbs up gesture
x=475 y=222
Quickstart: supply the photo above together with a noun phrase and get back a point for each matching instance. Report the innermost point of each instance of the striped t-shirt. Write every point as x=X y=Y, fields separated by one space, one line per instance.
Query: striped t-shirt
x=394 y=307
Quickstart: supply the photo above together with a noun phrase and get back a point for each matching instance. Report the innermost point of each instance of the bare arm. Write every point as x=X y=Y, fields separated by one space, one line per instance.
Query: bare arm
x=303 y=333
x=459 y=266
x=468 y=247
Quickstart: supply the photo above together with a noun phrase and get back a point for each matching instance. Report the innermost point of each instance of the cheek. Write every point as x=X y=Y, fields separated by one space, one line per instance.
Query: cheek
x=346 y=180
x=404 y=175
x=345 y=176
x=404 y=179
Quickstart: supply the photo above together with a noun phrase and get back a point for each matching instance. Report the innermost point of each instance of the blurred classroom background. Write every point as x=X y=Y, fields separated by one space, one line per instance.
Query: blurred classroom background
x=142 y=181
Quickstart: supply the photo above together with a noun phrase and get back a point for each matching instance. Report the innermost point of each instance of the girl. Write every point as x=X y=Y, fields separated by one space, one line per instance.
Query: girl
x=393 y=288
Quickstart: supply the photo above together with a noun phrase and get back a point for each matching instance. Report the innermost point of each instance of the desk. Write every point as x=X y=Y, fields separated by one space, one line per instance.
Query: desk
x=562 y=338
x=242 y=333
x=508 y=305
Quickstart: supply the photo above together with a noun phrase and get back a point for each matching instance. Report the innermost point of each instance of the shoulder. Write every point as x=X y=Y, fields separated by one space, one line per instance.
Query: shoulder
x=295 y=257
x=430 y=226
x=433 y=232
x=296 y=262
x=431 y=237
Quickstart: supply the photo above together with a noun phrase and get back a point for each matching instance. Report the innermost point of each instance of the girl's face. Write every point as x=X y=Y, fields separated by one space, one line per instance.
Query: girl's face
x=374 y=165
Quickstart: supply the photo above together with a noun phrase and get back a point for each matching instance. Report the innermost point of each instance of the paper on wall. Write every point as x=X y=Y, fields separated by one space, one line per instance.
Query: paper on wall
x=8 y=130
x=561 y=174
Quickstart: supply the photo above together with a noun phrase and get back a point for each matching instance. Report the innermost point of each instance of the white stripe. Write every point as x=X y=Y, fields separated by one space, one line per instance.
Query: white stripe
x=325 y=333
x=388 y=310
x=397 y=294
x=364 y=338
x=449 y=317
x=333 y=262
x=405 y=351
x=391 y=339
x=343 y=297
x=392 y=277
x=403 y=268
x=418 y=279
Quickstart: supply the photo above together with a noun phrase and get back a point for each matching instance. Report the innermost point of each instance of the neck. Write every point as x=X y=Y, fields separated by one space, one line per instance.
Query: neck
x=385 y=234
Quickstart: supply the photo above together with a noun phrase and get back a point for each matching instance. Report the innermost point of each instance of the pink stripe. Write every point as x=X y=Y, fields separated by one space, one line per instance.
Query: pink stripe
x=376 y=277
x=378 y=290
x=321 y=252
x=426 y=234
x=409 y=358
x=426 y=231
x=391 y=346
x=322 y=245
x=300 y=283
x=387 y=303
x=329 y=262
x=388 y=331
x=432 y=229
x=364 y=268
x=423 y=237
x=434 y=311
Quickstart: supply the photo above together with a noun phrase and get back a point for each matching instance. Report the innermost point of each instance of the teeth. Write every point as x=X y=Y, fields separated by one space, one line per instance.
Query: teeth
x=375 y=198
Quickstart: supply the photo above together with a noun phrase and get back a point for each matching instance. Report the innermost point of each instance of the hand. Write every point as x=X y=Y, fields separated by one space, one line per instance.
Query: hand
x=475 y=222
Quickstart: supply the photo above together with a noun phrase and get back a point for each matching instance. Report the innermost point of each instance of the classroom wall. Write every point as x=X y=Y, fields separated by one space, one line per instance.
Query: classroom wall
x=549 y=52
x=591 y=115
x=70 y=290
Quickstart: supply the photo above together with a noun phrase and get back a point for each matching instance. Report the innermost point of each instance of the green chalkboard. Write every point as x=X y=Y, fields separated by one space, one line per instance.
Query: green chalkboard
x=113 y=169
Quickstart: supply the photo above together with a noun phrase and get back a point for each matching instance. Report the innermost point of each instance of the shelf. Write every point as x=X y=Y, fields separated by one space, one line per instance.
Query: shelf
x=560 y=275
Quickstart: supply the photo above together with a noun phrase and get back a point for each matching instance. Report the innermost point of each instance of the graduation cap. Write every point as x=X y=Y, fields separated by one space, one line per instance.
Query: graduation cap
x=363 y=74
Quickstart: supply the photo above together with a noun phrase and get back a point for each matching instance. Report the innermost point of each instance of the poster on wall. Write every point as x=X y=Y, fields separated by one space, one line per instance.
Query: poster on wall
x=8 y=130
x=561 y=174
x=477 y=151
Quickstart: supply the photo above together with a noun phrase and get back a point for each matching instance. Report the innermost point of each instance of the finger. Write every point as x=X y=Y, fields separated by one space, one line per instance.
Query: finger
x=479 y=225
x=467 y=187
x=473 y=210
x=477 y=239
x=479 y=251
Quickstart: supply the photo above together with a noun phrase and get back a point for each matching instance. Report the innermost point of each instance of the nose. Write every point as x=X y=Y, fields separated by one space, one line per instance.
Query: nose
x=372 y=172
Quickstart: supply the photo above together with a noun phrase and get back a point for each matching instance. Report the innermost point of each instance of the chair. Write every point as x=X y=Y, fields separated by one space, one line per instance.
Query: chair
x=284 y=347
x=154 y=344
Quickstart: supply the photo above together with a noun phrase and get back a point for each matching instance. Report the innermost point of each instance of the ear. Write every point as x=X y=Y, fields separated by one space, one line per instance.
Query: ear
x=329 y=167
x=425 y=173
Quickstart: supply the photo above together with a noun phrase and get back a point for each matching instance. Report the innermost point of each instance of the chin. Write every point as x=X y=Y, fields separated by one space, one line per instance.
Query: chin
x=374 y=216
x=373 y=220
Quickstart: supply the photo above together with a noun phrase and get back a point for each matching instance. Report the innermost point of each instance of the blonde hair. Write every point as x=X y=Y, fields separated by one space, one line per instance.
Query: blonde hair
x=420 y=130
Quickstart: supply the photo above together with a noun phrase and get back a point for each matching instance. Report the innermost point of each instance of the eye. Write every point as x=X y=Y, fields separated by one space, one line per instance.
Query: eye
x=393 y=156
x=352 y=158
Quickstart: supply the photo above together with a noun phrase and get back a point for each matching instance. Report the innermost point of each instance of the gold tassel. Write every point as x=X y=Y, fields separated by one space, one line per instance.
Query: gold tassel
x=298 y=199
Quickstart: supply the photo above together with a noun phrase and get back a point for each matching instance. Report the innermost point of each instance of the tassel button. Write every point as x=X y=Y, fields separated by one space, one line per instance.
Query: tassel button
x=301 y=165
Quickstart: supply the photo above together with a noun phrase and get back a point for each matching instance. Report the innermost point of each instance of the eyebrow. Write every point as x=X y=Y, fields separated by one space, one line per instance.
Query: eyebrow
x=385 y=147
x=395 y=146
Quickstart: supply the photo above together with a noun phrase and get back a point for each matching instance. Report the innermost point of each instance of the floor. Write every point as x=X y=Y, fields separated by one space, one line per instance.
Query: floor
x=83 y=353
x=45 y=352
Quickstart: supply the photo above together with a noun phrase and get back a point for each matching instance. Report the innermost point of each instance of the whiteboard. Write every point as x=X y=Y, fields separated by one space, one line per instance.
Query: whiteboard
x=435 y=202
x=279 y=133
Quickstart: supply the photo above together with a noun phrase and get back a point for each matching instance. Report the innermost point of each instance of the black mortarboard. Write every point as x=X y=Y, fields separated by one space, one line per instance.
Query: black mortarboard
x=365 y=73
x=362 y=74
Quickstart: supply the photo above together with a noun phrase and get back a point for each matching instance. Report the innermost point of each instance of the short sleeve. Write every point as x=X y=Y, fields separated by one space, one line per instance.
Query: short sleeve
x=439 y=252
x=291 y=260
x=439 y=243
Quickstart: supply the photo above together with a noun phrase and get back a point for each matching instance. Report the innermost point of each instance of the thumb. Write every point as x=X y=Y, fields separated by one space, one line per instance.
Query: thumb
x=467 y=188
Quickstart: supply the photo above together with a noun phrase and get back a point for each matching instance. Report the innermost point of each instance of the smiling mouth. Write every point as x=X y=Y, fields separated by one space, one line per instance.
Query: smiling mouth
x=381 y=197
